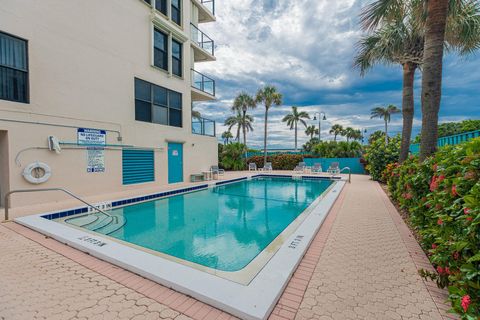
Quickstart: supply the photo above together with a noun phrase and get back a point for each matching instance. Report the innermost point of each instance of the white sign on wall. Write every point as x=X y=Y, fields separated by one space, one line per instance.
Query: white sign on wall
x=95 y=155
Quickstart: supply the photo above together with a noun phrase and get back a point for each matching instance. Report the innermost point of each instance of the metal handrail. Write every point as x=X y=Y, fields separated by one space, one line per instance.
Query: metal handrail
x=202 y=40
x=202 y=83
x=7 y=198
x=349 y=173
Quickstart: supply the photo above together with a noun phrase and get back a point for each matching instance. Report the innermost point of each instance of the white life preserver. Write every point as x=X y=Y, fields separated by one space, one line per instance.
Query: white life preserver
x=30 y=173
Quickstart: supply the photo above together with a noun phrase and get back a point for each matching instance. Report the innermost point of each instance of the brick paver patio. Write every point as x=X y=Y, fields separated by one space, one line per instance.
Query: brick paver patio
x=362 y=265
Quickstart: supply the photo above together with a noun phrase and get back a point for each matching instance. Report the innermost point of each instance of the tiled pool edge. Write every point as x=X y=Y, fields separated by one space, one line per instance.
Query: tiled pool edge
x=303 y=246
x=439 y=296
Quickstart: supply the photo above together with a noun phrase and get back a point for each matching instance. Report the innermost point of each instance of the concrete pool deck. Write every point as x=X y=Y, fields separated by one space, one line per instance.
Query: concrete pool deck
x=362 y=265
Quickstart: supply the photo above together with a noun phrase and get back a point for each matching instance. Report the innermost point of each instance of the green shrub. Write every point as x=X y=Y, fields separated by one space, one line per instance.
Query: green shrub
x=341 y=149
x=231 y=156
x=442 y=196
x=279 y=161
x=379 y=154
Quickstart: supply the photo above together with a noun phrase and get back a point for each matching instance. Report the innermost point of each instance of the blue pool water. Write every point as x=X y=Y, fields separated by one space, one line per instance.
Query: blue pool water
x=224 y=227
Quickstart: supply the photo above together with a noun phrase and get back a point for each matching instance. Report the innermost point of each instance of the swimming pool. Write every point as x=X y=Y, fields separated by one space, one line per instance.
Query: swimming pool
x=232 y=244
x=223 y=228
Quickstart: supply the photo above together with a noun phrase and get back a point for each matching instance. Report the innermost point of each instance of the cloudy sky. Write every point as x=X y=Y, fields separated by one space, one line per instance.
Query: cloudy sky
x=306 y=48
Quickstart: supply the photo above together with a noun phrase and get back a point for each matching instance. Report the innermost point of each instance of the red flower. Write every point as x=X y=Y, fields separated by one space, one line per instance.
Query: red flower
x=440 y=270
x=433 y=184
x=439 y=221
x=408 y=196
x=466 y=211
x=456 y=255
x=438 y=206
x=434 y=167
x=441 y=178
x=469 y=218
x=434 y=246
x=428 y=205
x=466 y=301
x=447 y=270
x=454 y=191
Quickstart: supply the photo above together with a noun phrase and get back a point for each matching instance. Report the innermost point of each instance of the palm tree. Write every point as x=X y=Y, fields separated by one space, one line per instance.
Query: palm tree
x=349 y=133
x=241 y=104
x=311 y=131
x=385 y=114
x=235 y=121
x=196 y=114
x=226 y=136
x=292 y=120
x=269 y=96
x=399 y=32
x=336 y=130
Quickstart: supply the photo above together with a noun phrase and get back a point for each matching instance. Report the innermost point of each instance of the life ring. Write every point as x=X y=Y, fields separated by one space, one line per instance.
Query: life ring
x=37 y=172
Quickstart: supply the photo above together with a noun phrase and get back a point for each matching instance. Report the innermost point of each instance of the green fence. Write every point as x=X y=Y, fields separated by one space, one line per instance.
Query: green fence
x=452 y=140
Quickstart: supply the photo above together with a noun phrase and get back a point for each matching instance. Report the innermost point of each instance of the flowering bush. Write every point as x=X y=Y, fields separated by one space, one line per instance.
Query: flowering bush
x=379 y=154
x=279 y=161
x=442 y=196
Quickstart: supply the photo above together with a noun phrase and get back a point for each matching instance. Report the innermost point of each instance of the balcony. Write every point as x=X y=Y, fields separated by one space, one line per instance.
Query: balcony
x=203 y=45
x=203 y=87
x=206 y=10
x=204 y=127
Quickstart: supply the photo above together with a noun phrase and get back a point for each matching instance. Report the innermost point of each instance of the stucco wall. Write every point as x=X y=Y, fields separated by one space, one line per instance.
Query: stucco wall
x=83 y=58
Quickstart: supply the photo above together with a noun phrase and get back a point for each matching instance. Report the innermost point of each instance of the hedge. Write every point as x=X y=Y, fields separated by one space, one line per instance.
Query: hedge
x=442 y=197
x=279 y=161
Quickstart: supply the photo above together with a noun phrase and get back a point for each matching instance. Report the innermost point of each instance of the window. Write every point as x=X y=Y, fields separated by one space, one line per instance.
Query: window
x=161 y=5
x=160 y=48
x=176 y=58
x=176 y=12
x=157 y=104
x=13 y=69
x=148 y=1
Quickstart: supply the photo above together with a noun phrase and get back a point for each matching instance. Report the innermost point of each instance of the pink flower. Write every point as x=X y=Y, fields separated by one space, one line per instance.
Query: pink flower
x=447 y=270
x=454 y=191
x=439 y=221
x=434 y=246
x=441 y=178
x=408 y=196
x=466 y=211
x=433 y=184
x=469 y=218
x=456 y=255
x=434 y=167
x=440 y=270
x=438 y=206
x=466 y=301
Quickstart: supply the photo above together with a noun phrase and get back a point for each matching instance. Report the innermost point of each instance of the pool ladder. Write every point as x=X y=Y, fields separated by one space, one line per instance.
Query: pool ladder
x=349 y=173
x=7 y=200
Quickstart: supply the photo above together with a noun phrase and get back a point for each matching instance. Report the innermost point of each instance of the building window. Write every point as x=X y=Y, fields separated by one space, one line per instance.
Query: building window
x=157 y=104
x=161 y=5
x=13 y=69
x=176 y=58
x=160 y=48
x=176 y=12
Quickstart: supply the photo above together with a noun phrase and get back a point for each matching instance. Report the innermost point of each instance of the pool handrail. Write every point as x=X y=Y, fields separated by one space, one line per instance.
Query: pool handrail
x=349 y=173
x=7 y=200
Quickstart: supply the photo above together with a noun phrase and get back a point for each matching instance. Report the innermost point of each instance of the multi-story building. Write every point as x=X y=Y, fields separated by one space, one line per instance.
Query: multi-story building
x=97 y=96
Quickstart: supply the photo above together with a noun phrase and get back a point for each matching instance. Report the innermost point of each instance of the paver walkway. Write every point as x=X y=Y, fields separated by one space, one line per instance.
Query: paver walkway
x=363 y=265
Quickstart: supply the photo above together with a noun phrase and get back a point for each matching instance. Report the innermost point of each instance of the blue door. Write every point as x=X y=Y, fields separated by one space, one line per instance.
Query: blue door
x=175 y=162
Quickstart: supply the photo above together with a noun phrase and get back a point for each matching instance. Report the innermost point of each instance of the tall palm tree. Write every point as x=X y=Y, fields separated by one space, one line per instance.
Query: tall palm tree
x=196 y=114
x=241 y=104
x=349 y=133
x=385 y=114
x=292 y=119
x=269 y=96
x=398 y=32
x=311 y=131
x=336 y=130
x=235 y=121
x=226 y=136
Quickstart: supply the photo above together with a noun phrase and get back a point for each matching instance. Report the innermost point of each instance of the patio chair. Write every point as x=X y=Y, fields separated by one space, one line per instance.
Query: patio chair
x=334 y=168
x=317 y=168
x=300 y=168
x=267 y=167
x=216 y=170
x=252 y=166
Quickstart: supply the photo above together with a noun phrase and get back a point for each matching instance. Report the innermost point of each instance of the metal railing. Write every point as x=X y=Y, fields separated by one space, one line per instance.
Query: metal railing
x=210 y=5
x=449 y=140
x=204 y=127
x=202 y=40
x=7 y=200
x=203 y=83
x=341 y=170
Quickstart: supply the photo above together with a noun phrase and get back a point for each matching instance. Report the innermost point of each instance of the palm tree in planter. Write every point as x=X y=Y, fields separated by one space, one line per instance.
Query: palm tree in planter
x=241 y=104
x=336 y=130
x=398 y=35
x=311 y=131
x=385 y=114
x=226 y=136
x=292 y=119
x=269 y=96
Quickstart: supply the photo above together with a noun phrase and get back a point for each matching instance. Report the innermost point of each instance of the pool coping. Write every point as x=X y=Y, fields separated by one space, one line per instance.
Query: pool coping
x=254 y=301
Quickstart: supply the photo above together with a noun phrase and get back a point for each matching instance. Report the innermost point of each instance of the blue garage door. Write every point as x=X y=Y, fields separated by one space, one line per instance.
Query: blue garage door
x=138 y=166
x=175 y=162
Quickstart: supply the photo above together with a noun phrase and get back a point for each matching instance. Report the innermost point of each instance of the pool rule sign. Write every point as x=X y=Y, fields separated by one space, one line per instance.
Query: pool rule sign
x=94 y=140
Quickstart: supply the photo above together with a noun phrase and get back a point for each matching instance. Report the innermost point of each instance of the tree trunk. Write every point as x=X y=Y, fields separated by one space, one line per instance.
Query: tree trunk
x=265 y=138
x=437 y=11
x=386 y=132
x=295 y=137
x=245 y=134
x=408 y=109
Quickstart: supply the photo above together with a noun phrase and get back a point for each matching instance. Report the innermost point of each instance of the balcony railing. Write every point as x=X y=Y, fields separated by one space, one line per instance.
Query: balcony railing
x=202 y=40
x=203 y=83
x=204 y=127
x=210 y=5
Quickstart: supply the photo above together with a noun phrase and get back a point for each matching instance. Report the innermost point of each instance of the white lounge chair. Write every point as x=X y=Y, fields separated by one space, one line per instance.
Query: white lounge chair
x=267 y=167
x=317 y=168
x=334 y=168
x=252 y=166
x=216 y=170
x=300 y=168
